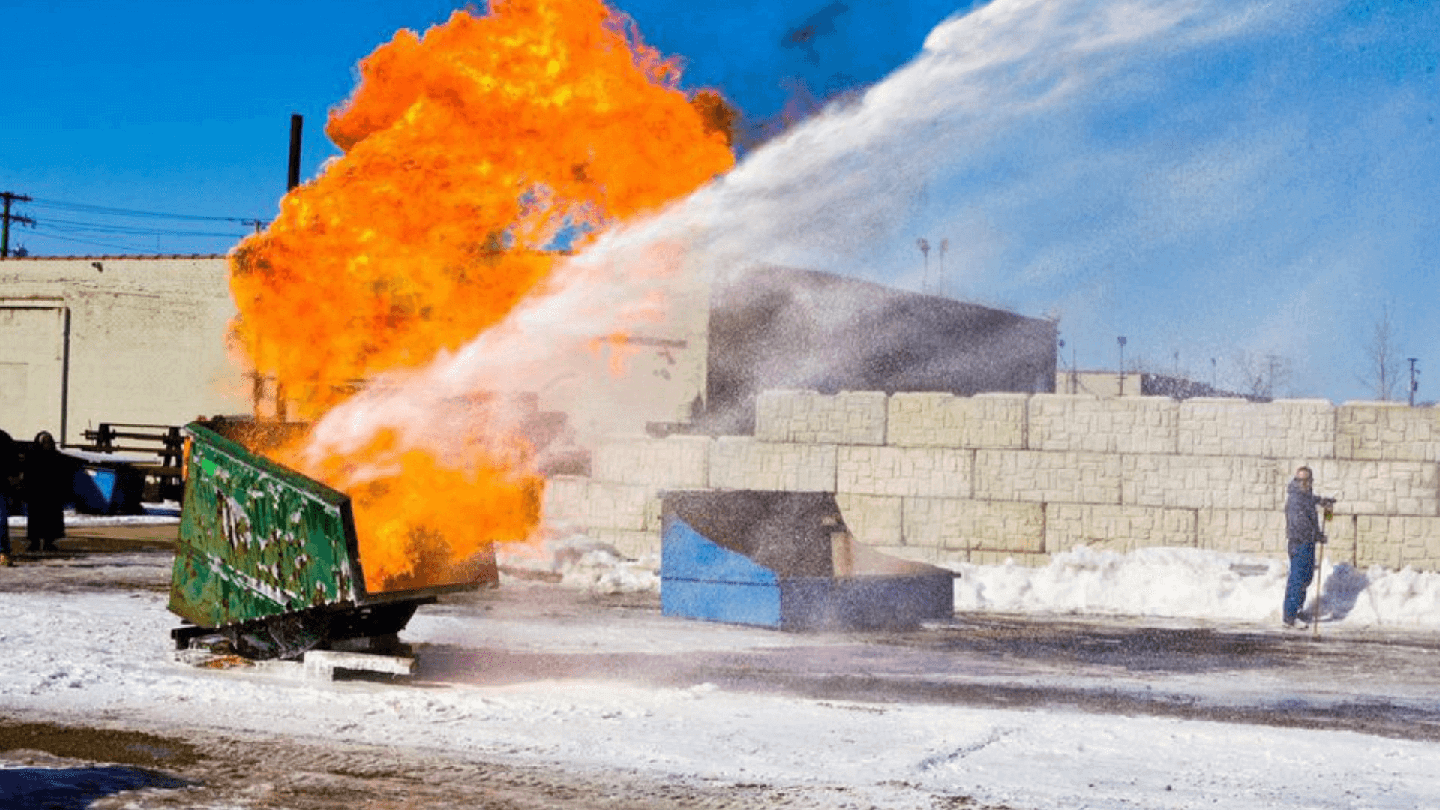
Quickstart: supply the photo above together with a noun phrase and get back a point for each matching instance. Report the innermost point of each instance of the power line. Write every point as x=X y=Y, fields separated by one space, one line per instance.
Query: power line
x=96 y=243
x=100 y=227
x=132 y=212
x=105 y=226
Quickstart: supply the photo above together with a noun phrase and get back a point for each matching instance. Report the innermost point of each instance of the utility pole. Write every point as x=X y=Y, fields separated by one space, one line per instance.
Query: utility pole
x=1121 y=341
x=1414 y=383
x=7 y=217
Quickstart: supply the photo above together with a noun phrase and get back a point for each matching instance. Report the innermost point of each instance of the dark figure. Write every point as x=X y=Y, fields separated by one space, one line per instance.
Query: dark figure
x=1302 y=532
x=48 y=485
x=9 y=477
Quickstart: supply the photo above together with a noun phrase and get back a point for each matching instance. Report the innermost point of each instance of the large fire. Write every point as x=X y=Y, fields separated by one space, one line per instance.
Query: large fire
x=469 y=156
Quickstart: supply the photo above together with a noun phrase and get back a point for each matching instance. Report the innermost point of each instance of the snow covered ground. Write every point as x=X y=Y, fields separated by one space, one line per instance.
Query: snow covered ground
x=540 y=693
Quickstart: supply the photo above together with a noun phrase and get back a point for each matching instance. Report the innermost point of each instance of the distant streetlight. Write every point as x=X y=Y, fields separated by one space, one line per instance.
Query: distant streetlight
x=1414 y=383
x=944 y=283
x=1121 y=341
x=1062 y=366
x=924 y=246
x=1074 y=382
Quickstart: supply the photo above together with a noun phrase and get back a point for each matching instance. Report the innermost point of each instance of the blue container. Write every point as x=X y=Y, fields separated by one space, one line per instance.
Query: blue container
x=786 y=560
x=108 y=489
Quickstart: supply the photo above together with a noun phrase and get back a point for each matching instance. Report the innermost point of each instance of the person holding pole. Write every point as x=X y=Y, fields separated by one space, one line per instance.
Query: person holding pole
x=1302 y=534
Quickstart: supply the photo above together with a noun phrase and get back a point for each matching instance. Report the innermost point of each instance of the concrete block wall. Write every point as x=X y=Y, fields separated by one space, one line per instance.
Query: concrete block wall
x=1387 y=432
x=856 y=417
x=1303 y=429
x=1114 y=425
x=945 y=420
x=741 y=462
x=947 y=479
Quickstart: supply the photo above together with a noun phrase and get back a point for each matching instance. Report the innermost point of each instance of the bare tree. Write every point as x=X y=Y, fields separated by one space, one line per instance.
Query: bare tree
x=1261 y=376
x=1382 y=366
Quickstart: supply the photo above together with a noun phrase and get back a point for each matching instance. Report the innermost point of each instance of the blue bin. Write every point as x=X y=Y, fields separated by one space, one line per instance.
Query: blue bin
x=108 y=488
x=786 y=560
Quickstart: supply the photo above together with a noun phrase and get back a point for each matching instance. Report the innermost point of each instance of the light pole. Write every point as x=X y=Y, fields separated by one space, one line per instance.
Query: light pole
x=1121 y=341
x=1060 y=357
x=924 y=245
x=1413 y=382
x=1074 y=386
x=944 y=283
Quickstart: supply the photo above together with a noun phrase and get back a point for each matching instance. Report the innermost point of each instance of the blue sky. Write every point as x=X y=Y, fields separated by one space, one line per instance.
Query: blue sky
x=178 y=107
x=1218 y=181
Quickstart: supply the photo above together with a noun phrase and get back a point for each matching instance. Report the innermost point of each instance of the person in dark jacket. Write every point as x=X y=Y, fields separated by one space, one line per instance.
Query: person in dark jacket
x=1302 y=532
x=48 y=485
x=9 y=475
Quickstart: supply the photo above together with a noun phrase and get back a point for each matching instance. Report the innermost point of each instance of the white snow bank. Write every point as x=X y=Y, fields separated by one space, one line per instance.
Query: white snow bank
x=1179 y=583
x=1195 y=584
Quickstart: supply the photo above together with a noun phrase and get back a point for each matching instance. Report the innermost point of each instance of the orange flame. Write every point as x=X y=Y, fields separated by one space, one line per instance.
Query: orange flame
x=466 y=152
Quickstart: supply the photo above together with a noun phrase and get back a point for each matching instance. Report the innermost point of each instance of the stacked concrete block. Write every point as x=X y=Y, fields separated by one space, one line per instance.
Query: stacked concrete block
x=993 y=421
x=985 y=479
x=676 y=462
x=1045 y=477
x=1341 y=532
x=1398 y=541
x=1235 y=427
x=1203 y=482
x=1119 y=528
x=1090 y=424
x=740 y=462
x=578 y=502
x=1380 y=487
x=874 y=520
x=1382 y=431
x=964 y=525
x=850 y=417
x=936 y=472
x=1244 y=531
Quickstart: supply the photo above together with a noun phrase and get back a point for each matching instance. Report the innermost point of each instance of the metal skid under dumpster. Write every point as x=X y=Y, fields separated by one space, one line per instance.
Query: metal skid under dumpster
x=269 y=559
x=787 y=560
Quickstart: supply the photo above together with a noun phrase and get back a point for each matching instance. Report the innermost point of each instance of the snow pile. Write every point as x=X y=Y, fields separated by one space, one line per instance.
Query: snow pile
x=1191 y=583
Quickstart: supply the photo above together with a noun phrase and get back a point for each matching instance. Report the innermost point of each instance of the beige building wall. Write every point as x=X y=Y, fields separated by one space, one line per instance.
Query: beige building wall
x=1098 y=383
x=143 y=340
x=993 y=477
x=103 y=339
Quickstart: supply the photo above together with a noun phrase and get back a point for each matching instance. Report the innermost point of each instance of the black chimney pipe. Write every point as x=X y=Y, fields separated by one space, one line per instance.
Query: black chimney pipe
x=297 y=122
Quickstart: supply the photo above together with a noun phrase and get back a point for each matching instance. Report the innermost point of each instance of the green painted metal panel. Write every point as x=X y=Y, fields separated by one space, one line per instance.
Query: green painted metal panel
x=258 y=539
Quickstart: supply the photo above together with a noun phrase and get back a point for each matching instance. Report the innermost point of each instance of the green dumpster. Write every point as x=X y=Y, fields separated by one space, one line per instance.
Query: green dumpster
x=268 y=558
